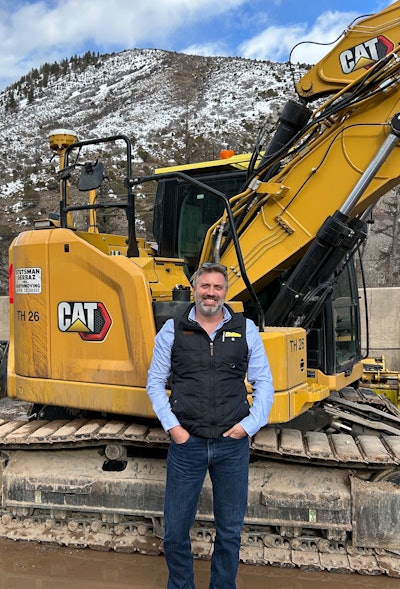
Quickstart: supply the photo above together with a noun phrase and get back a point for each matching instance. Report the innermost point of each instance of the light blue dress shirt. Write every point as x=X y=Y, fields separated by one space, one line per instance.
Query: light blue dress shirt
x=258 y=375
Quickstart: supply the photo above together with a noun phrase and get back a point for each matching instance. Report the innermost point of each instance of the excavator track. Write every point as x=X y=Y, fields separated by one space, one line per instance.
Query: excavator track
x=93 y=493
x=258 y=547
x=334 y=449
x=351 y=410
x=64 y=507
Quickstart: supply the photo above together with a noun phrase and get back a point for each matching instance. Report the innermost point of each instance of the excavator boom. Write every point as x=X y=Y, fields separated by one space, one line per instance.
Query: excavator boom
x=367 y=40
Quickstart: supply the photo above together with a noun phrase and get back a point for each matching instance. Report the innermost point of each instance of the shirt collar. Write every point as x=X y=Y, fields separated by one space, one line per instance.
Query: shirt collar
x=227 y=316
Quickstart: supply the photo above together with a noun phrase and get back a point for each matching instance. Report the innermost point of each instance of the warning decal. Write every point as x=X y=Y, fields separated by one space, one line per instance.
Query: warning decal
x=28 y=280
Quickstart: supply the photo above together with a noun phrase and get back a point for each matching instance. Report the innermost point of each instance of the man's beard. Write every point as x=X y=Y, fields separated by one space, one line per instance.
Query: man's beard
x=207 y=309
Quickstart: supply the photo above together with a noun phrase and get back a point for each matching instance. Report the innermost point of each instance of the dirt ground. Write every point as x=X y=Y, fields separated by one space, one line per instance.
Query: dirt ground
x=39 y=566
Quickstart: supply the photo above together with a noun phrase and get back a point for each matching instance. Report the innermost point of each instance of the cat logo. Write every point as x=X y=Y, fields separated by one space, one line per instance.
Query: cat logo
x=90 y=320
x=365 y=54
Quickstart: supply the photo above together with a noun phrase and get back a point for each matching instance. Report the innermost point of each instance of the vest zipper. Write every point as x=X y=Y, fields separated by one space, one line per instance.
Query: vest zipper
x=211 y=348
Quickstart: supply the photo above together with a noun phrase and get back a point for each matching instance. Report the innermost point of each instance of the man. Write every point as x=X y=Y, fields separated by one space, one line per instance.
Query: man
x=208 y=352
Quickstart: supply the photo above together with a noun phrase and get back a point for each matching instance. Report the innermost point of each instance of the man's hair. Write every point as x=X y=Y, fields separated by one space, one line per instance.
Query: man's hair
x=210 y=267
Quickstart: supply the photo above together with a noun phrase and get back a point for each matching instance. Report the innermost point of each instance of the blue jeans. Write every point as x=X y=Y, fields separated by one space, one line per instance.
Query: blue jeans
x=227 y=461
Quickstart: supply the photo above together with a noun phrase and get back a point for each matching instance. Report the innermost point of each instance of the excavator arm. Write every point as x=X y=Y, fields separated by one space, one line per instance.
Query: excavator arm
x=343 y=159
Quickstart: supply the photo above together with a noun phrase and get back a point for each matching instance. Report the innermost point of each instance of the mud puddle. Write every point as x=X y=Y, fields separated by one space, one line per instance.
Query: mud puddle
x=40 y=566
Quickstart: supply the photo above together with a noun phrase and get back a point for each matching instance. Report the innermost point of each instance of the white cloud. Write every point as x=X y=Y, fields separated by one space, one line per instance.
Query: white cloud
x=207 y=49
x=32 y=33
x=275 y=43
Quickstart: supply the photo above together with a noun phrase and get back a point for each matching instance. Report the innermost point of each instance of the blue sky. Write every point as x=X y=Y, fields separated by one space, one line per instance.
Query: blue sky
x=33 y=32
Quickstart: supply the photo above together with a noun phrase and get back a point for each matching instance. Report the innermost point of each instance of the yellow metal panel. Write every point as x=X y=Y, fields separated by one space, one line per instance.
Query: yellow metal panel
x=280 y=411
x=287 y=353
x=31 y=304
x=238 y=162
x=85 y=395
x=290 y=404
x=305 y=397
x=338 y=381
x=57 y=323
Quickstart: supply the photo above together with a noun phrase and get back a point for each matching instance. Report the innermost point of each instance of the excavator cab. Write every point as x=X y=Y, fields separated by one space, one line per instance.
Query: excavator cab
x=184 y=211
x=334 y=338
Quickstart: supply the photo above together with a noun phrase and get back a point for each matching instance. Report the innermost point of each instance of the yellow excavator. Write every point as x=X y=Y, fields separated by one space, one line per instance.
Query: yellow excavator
x=87 y=298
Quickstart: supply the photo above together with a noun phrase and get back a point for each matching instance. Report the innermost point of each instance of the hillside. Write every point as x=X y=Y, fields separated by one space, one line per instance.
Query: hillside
x=176 y=108
x=155 y=97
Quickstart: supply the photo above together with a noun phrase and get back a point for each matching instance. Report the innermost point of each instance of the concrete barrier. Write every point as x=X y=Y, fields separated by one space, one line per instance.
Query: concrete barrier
x=384 y=319
x=4 y=322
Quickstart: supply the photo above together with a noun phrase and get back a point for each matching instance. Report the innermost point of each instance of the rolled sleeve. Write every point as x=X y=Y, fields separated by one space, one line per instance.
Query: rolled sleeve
x=260 y=379
x=158 y=375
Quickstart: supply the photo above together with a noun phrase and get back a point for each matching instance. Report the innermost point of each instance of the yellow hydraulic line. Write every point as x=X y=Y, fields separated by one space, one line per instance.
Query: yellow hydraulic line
x=59 y=140
x=92 y=213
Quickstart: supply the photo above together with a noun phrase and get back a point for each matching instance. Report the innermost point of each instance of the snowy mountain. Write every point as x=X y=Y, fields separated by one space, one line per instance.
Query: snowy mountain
x=146 y=94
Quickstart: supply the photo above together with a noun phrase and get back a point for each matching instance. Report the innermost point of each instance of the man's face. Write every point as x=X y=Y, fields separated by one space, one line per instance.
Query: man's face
x=209 y=293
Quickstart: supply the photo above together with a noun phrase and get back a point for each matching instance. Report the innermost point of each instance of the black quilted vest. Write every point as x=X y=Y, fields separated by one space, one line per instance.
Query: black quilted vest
x=208 y=391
